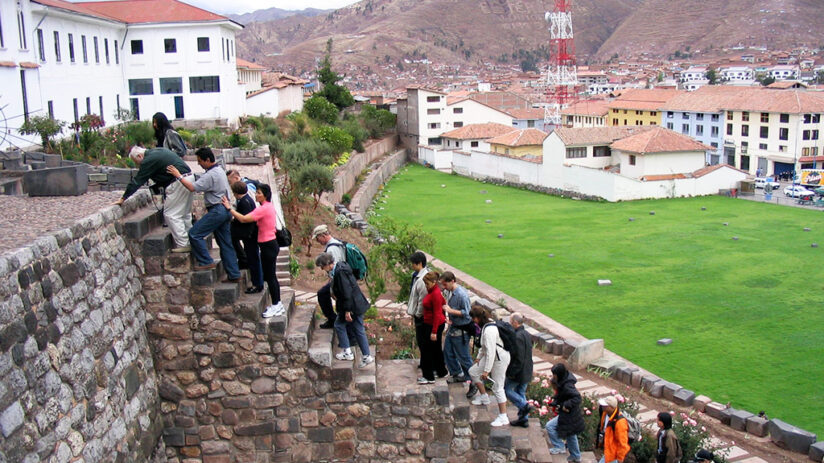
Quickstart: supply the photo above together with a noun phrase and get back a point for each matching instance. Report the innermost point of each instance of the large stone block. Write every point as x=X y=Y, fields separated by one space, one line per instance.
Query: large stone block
x=714 y=409
x=683 y=397
x=670 y=389
x=700 y=403
x=817 y=451
x=500 y=438
x=790 y=437
x=738 y=419
x=757 y=426
x=60 y=181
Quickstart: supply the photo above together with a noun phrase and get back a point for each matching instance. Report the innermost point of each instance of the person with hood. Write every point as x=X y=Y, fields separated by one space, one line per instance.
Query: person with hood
x=166 y=136
x=669 y=449
x=612 y=431
x=570 y=421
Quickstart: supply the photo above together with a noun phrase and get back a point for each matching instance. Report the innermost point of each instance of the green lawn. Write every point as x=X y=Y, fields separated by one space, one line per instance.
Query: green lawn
x=746 y=317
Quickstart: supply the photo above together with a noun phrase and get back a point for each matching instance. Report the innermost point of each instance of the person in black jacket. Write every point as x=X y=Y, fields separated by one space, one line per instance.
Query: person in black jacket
x=569 y=422
x=247 y=234
x=350 y=305
x=519 y=372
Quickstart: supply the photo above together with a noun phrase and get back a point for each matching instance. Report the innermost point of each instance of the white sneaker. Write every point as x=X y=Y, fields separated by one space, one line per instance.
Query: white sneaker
x=557 y=450
x=270 y=311
x=501 y=420
x=481 y=399
x=366 y=360
x=279 y=309
x=343 y=355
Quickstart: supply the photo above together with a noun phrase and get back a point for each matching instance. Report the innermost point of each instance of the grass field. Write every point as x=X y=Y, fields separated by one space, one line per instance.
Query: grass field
x=746 y=316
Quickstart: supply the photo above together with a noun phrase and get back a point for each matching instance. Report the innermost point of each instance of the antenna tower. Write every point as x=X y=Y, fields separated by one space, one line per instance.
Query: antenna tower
x=562 y=74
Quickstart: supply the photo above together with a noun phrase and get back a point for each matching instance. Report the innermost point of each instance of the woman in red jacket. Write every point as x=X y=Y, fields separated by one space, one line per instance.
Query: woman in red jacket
x=433 y=320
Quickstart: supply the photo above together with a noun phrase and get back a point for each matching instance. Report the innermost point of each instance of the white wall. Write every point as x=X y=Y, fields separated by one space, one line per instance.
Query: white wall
x=440 y=159
x=481 y=165
x=659 y=163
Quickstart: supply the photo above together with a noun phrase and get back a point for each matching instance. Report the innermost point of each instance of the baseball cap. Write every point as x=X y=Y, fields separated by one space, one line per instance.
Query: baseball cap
x=319 y=230
x=609 y=401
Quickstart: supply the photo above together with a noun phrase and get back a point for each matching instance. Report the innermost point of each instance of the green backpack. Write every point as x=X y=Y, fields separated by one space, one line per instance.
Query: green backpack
x=355 y=258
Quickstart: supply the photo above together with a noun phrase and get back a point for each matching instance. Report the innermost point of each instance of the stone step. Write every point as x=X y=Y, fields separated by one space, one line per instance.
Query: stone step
x=251 y=306
x=157 y=243
x=139 y=224
x=274 y=328
x=300 y=328
x=365 y=378
x=321 y=351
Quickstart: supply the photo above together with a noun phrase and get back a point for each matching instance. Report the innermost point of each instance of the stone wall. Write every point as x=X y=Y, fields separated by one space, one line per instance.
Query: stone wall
x=379 y=175
x=346 y=175
x=78 y=378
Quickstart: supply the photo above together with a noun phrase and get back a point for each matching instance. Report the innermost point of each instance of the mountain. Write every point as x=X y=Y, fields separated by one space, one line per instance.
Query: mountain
x=272 y=14
x=471 y=33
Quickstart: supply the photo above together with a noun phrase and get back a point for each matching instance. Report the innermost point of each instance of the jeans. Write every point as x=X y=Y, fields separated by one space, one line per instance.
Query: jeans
x=215 y=221
x=558 y=443
x=516 y=393
x=456 y=353
x=325 y=301
x=351 y=332
x=268 y=257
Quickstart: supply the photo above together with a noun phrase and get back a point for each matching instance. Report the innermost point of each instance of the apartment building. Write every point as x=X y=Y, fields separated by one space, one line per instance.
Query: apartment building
x=700 y=115
x=737 y=75
x=639 y=107
x=586 y=113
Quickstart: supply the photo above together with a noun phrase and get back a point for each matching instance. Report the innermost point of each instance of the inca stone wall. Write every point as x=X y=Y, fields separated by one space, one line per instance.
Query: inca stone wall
x=78 y=378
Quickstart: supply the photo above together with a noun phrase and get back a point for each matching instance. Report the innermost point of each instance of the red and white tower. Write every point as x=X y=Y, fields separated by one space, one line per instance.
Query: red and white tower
x=562 y=74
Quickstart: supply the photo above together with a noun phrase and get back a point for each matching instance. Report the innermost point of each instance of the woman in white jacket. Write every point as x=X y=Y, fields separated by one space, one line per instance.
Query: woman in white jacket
x=491 y=363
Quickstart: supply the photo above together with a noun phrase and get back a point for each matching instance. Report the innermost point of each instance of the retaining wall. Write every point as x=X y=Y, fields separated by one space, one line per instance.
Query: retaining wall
x=347 y=174
x=379 y=175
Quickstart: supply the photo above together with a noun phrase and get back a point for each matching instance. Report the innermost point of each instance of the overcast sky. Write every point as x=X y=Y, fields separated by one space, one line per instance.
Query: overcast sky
x=247 y=6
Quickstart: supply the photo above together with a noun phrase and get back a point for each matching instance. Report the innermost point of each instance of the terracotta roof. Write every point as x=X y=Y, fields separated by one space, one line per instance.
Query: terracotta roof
x=597 y=135
x=522 y=137
x=587 y=108
x=643 y=99
x=8 y=64
x=243 y=64
x=502 y=101
x=717 y=98
x=811 y=158
x=149 y=11
x=658 y=140
x=28 y=65
x=706 y=170
x=526 y=113
x=786 y=84
x=74 y=7
x=478 y=131
x=653 y=178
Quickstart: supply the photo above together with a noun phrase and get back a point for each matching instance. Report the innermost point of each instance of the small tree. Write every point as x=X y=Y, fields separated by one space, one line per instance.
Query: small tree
x=338 y=139
x=315 y=179
x=712 y=76
x=336 y=94
x=320 y=109
x=44 y=126
x=401 y=240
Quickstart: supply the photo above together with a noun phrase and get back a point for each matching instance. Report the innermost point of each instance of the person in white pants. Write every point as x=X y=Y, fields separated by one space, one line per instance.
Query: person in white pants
x=491 y=363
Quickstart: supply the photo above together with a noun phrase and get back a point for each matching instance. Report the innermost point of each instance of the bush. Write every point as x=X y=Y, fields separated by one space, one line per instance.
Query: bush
x=377 y=121
x=237 y=140
x=338 y=139
x=314 y=179
x=215 y=138
x=341 y=221
x=138 y=133
x=358 y=133
x=320 y=109
x=298 y=154
x=394 y=253
x=45 y=127
x=346 y=199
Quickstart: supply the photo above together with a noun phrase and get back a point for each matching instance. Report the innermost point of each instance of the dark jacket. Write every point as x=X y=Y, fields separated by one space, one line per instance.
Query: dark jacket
x=153 y=168
x=348 y=296
x=520 y=358
x=568 y=402
x=242 y=230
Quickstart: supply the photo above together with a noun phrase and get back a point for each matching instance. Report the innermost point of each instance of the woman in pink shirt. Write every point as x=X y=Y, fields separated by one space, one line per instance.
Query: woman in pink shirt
x=266 y=218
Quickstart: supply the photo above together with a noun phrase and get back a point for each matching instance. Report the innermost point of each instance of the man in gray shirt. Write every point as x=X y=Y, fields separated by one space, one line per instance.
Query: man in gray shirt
x=215 y=187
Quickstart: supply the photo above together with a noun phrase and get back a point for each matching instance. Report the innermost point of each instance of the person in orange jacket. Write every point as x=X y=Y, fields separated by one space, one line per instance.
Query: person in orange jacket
x=612 y=433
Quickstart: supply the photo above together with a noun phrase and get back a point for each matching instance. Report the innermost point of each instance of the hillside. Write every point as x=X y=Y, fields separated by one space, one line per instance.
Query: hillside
x=272 y=14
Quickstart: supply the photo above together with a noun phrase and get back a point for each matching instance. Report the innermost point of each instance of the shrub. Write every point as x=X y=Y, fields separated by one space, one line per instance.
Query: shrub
x=320 y=109
x=346 y=199
x=294 y=267
x=338 y=139
x=395 y=252
x=237 y=140
x=298 y=154
x=314 y=179
x=358 y=133
x=377 y=121
x=45 y=127
x=138 y=133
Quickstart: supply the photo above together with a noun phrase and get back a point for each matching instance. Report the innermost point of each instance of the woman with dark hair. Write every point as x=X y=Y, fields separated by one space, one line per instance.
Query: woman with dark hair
x=669 y=449
x=433 y=323
x=491 y=364
x=266 y=218
x=569 y=422
x=166 y=136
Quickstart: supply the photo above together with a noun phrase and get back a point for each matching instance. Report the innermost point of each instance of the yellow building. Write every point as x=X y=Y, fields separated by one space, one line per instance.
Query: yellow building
x=639 y=107
x=519 y=143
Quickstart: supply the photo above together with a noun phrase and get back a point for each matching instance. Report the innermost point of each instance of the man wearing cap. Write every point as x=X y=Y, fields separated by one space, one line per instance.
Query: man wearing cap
x=704 y=456
x=337 y=250
x=177 y=208
x=613 y=431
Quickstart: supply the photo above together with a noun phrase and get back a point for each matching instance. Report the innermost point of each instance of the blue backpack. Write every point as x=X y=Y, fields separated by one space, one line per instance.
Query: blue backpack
x=355 y=258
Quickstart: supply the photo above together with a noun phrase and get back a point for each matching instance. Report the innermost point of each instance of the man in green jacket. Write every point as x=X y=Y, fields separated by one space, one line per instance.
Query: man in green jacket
x=177 y=210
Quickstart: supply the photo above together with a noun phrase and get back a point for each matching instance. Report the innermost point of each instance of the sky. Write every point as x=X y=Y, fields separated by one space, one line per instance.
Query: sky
x=247 y=6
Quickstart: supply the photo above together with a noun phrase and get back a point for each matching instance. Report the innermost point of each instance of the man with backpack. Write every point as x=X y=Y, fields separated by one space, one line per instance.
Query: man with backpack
x=613 y=431
x=338 y=251
x=519 y=372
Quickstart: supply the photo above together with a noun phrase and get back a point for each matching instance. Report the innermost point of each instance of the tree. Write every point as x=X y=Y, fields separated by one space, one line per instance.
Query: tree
x=338 y=139
x=44 y=126
x=315 y=179
x=336 y=94
x=320 y=109
x=819 y=77
x=712 y=76
x=377 y=121
x=765 y=80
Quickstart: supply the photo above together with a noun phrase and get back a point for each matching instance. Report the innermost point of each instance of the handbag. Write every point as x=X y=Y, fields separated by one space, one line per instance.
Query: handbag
x=283 y=235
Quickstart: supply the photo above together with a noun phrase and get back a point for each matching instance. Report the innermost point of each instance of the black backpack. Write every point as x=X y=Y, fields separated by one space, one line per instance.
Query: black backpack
x=507 y=334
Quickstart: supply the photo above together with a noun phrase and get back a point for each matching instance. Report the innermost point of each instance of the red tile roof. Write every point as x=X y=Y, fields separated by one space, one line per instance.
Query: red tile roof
x=478 y=131
x=74 y=7
x=643 y=99
x=587 y=108
x=243 y=64
x=8 y=64
x=149 y=11
x=658 y=140
x=526 y=113
x=28 y=65
x=522 y=137
x=811 y=158
x=597 y=135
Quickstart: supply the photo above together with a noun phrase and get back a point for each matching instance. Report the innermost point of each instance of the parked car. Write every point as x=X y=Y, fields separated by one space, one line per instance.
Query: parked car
x=797 y=191
x=761 y=182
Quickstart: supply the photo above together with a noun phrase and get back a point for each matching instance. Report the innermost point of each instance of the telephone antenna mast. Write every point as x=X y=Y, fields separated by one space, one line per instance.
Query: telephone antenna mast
x=561 y=75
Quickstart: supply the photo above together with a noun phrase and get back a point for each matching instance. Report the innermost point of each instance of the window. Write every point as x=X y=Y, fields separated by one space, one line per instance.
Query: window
x=76 y=114
x=458 y=125
x=203 y=44
x=745 y=116
x=88 y=106
x=25 y=95
x=21 y=27
x=685 y=129
x=714 y=131
x=433 y=99
x=632 y=159
x=670 y=115
x=50 y=105
x=100 y=105
x=71 y=48
x=699 y=130
x=171 y=85
x=57 y=46
x=765 y=132
x=816 y=118
x=615 y=111
x=745 y=147
x=714 y=144
x=729 y=129
x=117 y=100
x=137 y=47
x=577 y=152
x=785 y=118
x=140 y=87
x=669 y=125
x=457 y=110
x=2 y=42
x=96 y=51
x=762 y=146
x=83 y=44
x=729 y=116
x=815 y=135
x=714 y=118
x=435 y=125
x=625 y=122
x=433 y=111
x=473 y=144
x=783 y=133
x=765 y=118
x=601 y=151
x=699 y=117
x=40 y=47
x=204 y=84
x=745 y=163
x=805 y=135
x=116 y=53
x=106 y=49
x=808 y=118
x=685 y=116
x=530 y=124
x=615 y=122
x=170 y=45
x=434 y=141
x=653 y=113
x=745 y=130
x=638 y=113
x=782 y=148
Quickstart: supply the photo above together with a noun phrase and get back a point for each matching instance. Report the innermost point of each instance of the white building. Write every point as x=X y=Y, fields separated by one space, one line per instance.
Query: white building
x=737 y=74
x=783 y=72
x=279 y=93
x=694 y=74
x=73 y=59
x=250 y=75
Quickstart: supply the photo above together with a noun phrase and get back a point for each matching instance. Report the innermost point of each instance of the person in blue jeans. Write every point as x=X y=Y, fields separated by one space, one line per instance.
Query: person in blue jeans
x=456 y=342
x=214 y=186
x=519 y=372
x=570 y=421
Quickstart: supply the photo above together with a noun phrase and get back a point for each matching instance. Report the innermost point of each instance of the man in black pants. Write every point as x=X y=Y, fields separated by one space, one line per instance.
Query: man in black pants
x=417 y=292
x=247 y=233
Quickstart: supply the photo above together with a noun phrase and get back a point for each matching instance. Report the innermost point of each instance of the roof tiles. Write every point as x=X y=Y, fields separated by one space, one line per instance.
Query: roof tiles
x=148 y=11
x=658 y=140
x=478 y=131
x=522 y=137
